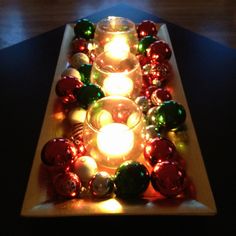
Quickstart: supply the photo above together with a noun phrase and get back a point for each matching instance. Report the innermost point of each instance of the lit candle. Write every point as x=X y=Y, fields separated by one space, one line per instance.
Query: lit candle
x=115 y=140
x=117 y=48
x=118 y=84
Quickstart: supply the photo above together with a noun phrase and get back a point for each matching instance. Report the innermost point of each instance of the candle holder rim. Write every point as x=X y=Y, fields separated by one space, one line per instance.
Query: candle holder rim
x=133 y=28
x=137 y=65
x=114 y=97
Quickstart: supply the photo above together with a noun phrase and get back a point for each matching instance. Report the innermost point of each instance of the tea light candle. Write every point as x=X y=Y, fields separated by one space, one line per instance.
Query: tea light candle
x=115 y=140
x=118 y=84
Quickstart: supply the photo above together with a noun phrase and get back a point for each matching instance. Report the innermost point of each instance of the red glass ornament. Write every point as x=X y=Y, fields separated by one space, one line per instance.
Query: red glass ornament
x=143 y=60
x=148 y=91
x=168 y=178
x=146 y=28
x=145 y=82
x=159 y=71
x=158 y=149
x=67 y=184
x=65 y=88
x=159 y=51
x=79 y=45
x=59 y=153
x=160 y=95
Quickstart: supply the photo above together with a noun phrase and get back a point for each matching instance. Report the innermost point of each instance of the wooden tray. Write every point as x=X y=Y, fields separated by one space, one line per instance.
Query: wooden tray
x=37 y=204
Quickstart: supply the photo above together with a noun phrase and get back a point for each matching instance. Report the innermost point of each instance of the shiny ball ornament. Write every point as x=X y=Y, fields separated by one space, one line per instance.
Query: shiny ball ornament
x=151 y=116
x=59 y=153
x=145 y=42
x=65 y=88
x=88 y=94
x=67 y=185
x=85 y=167
x=168 y=178
x=131 y=179
x=151 y=132
x=143 y=60
x=143 y=103
x=71 y=72
x=146 y=28
x=76 y=115
x=101 y=185
x=160 y=95
x=120 y=114
x=77 y=131
x=157 y=150
x=159 y=51
x=85 y=71
x=78 y=59
x=159 y=72
x=169 y=115
x=79 y=45
x=84 y=29
x=149 y=90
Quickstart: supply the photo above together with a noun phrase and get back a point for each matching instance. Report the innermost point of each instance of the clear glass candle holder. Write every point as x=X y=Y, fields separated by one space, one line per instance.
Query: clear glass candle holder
x=119 y=77
x=115 y=34
x=114 y=131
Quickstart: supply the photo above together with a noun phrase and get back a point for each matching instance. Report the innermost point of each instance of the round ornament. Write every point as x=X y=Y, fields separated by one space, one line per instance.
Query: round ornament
x=85 y=71
x=88 y=94
x=149 y=90
x=65 y=88
x=79 y=45
x=151 y=132
x=71 y=72
x=67 y=185
x=159 y=72
x=158 y=149
x=168 y=178
x=169 y=115
x=145 y=42
x=84 y=29
x=143 y=103
x=146 y=28
x=160 y=95
x=59 y=152
x=159 y=51
x=78 y=59
x=101 y=185
x=85 y=167
x=131 y=179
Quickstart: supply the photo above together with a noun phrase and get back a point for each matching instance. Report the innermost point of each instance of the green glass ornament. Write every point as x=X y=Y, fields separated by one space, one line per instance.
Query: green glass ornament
x=145 y=43
x=85 y=71
x=84 y=29
x=88 y=94
x=131 y=179
x=169 y=115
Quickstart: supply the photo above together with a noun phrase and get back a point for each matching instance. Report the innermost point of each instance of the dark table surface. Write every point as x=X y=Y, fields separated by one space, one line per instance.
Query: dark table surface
x=208 y=72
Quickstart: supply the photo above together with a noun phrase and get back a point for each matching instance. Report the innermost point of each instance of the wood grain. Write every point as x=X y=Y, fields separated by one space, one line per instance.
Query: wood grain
x=20 y=20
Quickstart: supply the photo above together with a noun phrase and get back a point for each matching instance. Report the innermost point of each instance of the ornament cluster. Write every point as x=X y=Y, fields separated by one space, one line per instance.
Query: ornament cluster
x=73 y=173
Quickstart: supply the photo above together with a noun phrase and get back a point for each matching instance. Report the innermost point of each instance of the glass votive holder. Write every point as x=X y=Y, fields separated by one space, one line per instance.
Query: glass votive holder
x=119 y=77
x=115 y=34
x=114 y=131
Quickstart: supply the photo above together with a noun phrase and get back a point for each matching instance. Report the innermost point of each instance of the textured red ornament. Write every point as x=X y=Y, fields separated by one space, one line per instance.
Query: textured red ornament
x=146 y=28
x=120 y=114
x=79 y=45
x=160 y=95
x=145 y=83
x=59 y=153
x=168 y=178
x=67 y=184
x=149 y=90
x=159 y=51
x=158 y=149
x=143 y=60
x=159 y=71
x=65 y=88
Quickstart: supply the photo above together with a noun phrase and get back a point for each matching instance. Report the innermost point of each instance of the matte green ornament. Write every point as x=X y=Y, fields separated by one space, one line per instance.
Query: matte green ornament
x=84 y=29
x=85 y=71
x=88 y=94
x=145 y=43
x=170 y=115
x=131 y=179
